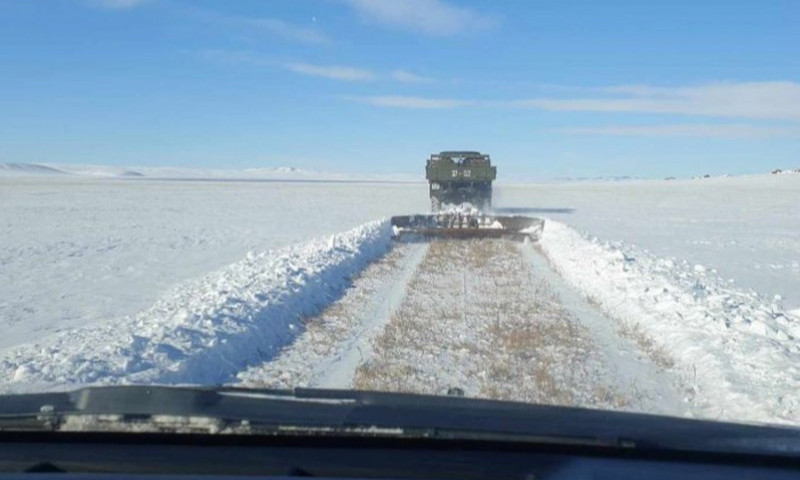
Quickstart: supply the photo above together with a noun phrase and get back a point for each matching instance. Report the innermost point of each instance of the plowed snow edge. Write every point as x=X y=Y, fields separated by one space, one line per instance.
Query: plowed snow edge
x=335 y=342
x=736 y=352
x=204 y=331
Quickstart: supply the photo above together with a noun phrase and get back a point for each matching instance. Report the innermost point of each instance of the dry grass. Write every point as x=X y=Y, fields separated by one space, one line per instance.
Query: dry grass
x=477 y=301
x=339 y=309
x=380 y=376
x=536 y=384
x=534 y=355
x=322 y=335
x=655 y=352
x=607 y=396
x=633 y=331
x=405 y=328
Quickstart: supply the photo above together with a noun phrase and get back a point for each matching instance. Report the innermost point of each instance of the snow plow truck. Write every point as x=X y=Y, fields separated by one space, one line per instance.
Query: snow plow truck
x=460 y=177
x=460 y=189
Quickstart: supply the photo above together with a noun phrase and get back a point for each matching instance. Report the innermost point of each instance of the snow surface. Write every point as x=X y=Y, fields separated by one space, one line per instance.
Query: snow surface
x=189 y=173
x=484 y=316
x=338 y=340
x=746 y=228
x=207 y=330
x=651 y=389
x=80 y=251
x=737 y=352
x=134 y=280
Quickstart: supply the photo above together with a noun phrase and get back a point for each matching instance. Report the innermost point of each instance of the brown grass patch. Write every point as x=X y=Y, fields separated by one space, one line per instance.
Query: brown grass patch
x=518 y=342
x=653 y=350
x=384 y=377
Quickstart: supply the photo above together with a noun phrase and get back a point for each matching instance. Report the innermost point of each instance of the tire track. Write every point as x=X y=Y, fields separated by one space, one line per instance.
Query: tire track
x=481 y=317
x=333 y=343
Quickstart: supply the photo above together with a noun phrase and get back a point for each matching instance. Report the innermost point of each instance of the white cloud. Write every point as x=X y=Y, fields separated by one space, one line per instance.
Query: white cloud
x=753 y=100
x=286 y=30
x=118 y=4
x=274 y=26
x=268 y=25
x=433 y=17
x=398 y=101
x=408 y=77
x=340 y=72
x=688 y=130
x=334 y=72
x=232 y=57
x=756 y=100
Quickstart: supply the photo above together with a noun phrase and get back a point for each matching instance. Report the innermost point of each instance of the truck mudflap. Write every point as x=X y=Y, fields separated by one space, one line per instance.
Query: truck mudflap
x=459 y=225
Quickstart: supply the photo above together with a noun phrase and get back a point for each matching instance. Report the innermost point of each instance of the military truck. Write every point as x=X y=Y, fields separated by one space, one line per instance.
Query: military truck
x=460 y=177
x=455 y=178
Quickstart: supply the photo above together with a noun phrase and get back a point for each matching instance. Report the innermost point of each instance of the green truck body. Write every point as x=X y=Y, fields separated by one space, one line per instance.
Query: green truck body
x=456 y=177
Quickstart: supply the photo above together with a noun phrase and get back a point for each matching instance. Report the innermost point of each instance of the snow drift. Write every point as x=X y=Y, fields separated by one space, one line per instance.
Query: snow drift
x=207 y=330
x=736 y=352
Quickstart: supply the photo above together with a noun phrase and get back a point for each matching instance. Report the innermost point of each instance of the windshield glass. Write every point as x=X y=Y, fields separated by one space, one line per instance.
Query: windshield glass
x=583 y=203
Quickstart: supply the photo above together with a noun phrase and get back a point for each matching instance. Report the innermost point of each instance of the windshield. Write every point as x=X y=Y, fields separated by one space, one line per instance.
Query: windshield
x=588 y=204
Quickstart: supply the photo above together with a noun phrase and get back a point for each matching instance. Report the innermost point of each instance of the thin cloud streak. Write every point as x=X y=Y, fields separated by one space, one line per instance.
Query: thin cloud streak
x=431 y=17
x=753 y=100
x=267 y=25
x=233 y=57
x=398 y=101
x=687 y=130
x=118 y=4
x=408 y=77
x=286 y=30
x=756 y=100
x=333 y=72
x=274 y=26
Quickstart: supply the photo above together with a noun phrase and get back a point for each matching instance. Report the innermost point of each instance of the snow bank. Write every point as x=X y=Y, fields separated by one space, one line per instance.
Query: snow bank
x=746 y=227
x=207 y=330
x=736 y=352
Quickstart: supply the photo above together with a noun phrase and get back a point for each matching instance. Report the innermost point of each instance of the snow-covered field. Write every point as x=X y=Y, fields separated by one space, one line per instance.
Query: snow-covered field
x=121 y=280
x=746 y=228
x=76 y=251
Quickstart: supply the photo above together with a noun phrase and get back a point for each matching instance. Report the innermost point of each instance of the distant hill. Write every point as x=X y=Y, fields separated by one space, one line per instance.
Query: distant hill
x=187 y=173
x=35 y=169
x=28 y=169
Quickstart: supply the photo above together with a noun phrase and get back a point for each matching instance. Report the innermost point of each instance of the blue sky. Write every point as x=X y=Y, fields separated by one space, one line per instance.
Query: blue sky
x=548 y=88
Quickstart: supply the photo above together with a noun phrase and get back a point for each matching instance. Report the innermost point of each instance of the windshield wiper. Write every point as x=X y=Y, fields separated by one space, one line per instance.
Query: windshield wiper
x=340 y=412
x=249 y=411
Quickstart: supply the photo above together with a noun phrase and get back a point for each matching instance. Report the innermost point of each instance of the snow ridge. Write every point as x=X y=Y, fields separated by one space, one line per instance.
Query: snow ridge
x=207 y=330
x=736 y=353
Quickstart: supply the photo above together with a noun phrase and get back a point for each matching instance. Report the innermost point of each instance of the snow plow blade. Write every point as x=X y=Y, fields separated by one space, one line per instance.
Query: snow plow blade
x=453 y=225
